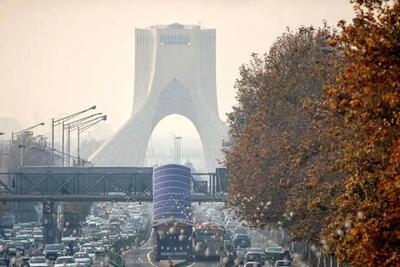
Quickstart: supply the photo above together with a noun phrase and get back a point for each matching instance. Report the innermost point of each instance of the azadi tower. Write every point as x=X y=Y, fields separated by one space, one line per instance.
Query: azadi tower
x=174 y=74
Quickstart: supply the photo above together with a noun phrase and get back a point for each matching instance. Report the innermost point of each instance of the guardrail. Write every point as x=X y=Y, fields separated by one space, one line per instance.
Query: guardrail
x=115 y=259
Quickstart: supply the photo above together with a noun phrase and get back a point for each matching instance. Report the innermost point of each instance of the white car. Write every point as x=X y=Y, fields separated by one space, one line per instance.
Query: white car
x=89 y=250
x=66 y=261
x=38 y=261
x=82 y=259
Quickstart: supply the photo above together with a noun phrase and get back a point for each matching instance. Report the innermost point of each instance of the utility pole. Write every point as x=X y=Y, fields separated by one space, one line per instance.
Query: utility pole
x=69 y=146
x=62 y=122
x=78 y=143
x=81 y=126
x=52 y=142
x=62 y=143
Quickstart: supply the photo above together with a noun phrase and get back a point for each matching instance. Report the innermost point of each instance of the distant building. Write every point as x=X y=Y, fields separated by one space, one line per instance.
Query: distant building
x=175 y=73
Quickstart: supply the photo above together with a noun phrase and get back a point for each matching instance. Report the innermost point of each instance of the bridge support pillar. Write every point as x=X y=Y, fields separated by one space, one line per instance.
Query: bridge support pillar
x=50 y=222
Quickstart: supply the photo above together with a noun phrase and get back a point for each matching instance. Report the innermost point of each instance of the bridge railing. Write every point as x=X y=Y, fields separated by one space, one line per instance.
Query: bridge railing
x=98 y=184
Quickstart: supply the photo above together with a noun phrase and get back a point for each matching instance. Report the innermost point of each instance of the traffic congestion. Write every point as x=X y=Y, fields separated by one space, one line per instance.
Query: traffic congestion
x=106 y=228
x=222 y=239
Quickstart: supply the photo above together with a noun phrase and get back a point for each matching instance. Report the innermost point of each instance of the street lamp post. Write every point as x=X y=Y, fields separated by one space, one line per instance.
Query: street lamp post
x=52 y=141
x=72 y=126
x=83 y=129
x=69 y=146
x=82 y=125
x=62 y=122
x=62 y=143
x=19 y=145
x=21 y=155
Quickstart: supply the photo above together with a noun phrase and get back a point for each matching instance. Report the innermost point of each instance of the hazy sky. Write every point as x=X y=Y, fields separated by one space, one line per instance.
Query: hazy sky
x=57 y=57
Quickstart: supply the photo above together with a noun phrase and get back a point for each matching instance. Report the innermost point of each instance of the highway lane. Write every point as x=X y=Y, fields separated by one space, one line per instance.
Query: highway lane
x=141 y=257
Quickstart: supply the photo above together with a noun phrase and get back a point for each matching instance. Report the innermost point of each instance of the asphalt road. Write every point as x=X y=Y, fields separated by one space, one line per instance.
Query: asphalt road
x=141 y=257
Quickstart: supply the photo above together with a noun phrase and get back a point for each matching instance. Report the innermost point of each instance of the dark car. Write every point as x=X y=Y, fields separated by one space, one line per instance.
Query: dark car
x=3 y=262
x=242 y=241
x=53 y=251
x=16 y=247
x=274 y=254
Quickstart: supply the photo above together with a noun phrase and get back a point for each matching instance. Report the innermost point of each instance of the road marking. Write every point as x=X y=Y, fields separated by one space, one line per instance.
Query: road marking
x=191 y=264
x=149 y=259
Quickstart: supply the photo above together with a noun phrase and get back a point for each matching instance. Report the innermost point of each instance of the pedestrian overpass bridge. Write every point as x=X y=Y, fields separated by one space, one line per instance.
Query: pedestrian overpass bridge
x=69 y=184
x=51 y=185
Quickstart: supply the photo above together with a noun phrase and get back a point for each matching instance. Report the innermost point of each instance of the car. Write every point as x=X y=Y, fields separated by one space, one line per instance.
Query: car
x=274 y=253
x=242 y=241
x=82 y=259
x=283 y=263
x=89 y=250
x=8 y=233
x=52 y=251
x=24 y=262
x=16 y=247
x=240 y=254
x=99 y=249
x=65 y=261
x=3 y=262
x=252 y=264
x=257 y=256
x=231 y=225
x=240 y=230
x=38 y=262
x=26 y=242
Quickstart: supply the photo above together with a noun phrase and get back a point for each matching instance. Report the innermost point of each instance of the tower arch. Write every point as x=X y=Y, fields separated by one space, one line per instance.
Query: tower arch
x=170 y=78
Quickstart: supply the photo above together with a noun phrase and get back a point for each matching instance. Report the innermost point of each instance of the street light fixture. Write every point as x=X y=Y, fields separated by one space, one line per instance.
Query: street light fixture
x=82 y=120
x=29 y=128
x=56 y=122
x=82 y=127
x=19 y=145
x=75 y=125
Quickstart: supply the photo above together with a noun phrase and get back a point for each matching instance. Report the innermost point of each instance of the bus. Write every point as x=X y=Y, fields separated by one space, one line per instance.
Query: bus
x=208 y=241
x=173 y=240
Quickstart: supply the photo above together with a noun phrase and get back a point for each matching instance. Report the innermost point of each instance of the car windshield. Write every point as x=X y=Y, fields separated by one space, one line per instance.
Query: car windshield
x=37 y=260
x=283 y=263
x=64 y=260
x=277 y=249
x=54 y=247
x=254 y=256
x=15 y=244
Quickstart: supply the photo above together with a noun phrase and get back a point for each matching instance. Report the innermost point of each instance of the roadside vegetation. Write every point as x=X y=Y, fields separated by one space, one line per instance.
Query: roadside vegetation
x=314 y=141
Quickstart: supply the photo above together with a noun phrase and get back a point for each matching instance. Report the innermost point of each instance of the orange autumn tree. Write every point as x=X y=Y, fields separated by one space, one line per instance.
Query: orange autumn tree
x=273 y=143
x=365 y=230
